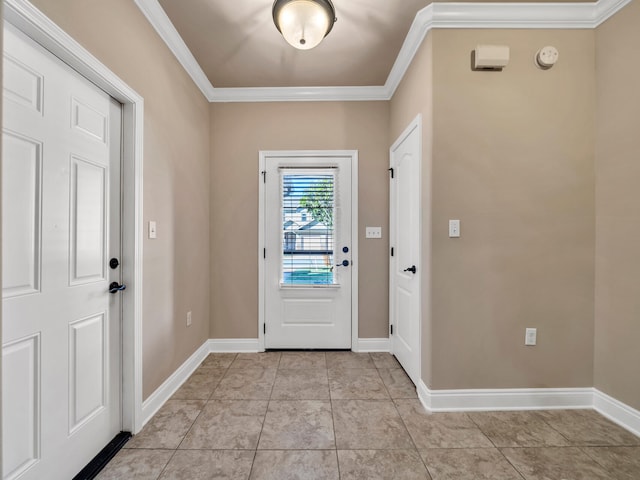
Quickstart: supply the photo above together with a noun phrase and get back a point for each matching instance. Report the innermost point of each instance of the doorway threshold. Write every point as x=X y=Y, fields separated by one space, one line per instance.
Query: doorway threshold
x=95 y=466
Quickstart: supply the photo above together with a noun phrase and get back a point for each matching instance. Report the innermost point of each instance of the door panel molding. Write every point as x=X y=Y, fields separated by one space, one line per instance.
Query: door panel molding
x=88 y=369
x=23 y=359
x=37 y=26
x=303 y=154
x=22 y=271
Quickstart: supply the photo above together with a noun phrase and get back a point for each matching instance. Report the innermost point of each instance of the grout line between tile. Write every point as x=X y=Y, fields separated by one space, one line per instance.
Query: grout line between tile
x=517 y=470
x=217 y=383
x=166 y=465
x=253 y=461
x=204 y=406
x=415 y=447
x=331 y=401
x=481 y=430
x=333 y=424
x=496 y=447
x=264 y=420
x=557 y=431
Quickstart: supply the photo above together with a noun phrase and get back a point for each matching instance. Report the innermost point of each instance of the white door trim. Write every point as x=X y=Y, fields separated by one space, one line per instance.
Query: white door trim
x=33 y=23
x=264 y=154
x=416 y=124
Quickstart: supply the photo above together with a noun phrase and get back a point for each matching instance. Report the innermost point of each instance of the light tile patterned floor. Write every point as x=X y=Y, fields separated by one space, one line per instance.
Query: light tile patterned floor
x=349 y=416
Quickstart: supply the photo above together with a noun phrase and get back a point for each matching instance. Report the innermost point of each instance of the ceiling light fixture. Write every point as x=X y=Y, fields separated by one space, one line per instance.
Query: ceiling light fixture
x=304 y=23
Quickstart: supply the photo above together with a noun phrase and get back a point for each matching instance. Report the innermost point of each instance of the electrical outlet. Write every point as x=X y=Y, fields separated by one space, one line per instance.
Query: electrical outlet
x=530 y=336
x=188 y=319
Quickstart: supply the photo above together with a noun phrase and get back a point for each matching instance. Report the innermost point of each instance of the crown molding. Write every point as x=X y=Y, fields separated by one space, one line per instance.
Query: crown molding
x=605 y=9
x=160 y=22
x=436 y=15
x=497 y=15
x=299 y=94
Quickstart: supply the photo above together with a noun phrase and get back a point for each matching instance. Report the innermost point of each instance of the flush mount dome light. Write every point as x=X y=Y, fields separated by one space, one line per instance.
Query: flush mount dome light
x=304 y=23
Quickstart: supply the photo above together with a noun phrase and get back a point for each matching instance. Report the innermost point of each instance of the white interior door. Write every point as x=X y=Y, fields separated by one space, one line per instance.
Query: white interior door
x=61 y=327
x=308 y=252
x=404 y=267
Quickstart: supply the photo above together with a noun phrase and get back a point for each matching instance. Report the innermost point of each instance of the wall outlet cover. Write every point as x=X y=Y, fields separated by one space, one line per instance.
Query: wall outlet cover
x=374 y=232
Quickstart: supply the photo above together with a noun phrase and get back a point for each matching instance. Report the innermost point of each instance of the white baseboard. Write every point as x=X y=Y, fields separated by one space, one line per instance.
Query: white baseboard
x=504 y=399
x=530 y=399
x=432 y=400
x=373 y=345
x=224 y=345
x=424 y=395
x=241 y=345
x=233 y=345
x=616 y=411
x=163 y=393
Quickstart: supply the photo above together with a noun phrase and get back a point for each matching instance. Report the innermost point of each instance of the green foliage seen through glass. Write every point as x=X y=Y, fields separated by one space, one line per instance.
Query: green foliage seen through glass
x=318 y=200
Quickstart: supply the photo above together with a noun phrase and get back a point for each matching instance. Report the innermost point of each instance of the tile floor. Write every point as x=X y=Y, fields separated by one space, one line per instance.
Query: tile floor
x=348 y=416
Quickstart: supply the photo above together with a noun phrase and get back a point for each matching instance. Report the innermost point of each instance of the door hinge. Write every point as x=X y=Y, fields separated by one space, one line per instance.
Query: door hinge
x=264 y=176
x=391 y=329
x=264 y=328
x=391 y=171
x=264 y=253
x=392 y=251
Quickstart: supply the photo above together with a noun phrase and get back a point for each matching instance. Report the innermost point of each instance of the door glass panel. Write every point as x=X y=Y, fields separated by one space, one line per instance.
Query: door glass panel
x=308 y=236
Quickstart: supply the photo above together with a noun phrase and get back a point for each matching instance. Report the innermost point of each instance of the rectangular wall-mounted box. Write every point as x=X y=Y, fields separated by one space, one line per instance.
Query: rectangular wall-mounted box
x=491 y=57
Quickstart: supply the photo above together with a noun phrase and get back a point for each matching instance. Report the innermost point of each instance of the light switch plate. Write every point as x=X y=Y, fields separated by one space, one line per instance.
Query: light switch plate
x=153 y=230
x=454 y=228
x=374 y=232
x=530 y=336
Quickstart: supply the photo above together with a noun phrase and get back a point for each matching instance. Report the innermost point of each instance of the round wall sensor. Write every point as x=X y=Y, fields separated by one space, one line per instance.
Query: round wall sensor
x=547 y=57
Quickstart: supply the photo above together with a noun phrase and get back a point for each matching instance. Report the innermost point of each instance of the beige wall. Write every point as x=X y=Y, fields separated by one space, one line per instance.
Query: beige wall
x=176 y=173
x=617 y=303
x=512 y=158
x=511 y=154
x=238 y=133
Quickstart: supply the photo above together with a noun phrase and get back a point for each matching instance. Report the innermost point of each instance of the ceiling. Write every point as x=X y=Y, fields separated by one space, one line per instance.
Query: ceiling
x=237 y=45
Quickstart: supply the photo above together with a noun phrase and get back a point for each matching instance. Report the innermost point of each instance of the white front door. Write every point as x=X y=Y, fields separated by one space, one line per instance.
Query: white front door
x=308 y=252
x=404 y=267
x=61 y=326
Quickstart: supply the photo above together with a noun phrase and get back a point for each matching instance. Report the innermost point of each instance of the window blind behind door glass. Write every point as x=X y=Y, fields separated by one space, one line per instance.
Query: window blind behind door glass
x=308 y=232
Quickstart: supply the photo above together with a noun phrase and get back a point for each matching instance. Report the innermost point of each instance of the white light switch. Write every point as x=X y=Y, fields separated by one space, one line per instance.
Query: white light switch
x=454 y=228
x=530 y=336
x=374 y=232
x=153 y=232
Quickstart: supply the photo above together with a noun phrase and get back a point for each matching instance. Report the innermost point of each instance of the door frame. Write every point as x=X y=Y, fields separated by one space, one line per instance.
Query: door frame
x=415 y=125
x=34 y=24
x=264 y=155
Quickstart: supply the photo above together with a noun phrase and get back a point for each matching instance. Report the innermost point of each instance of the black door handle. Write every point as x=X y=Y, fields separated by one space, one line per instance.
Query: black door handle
x=116 y=287
x=411 y=269
x=345 y=263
